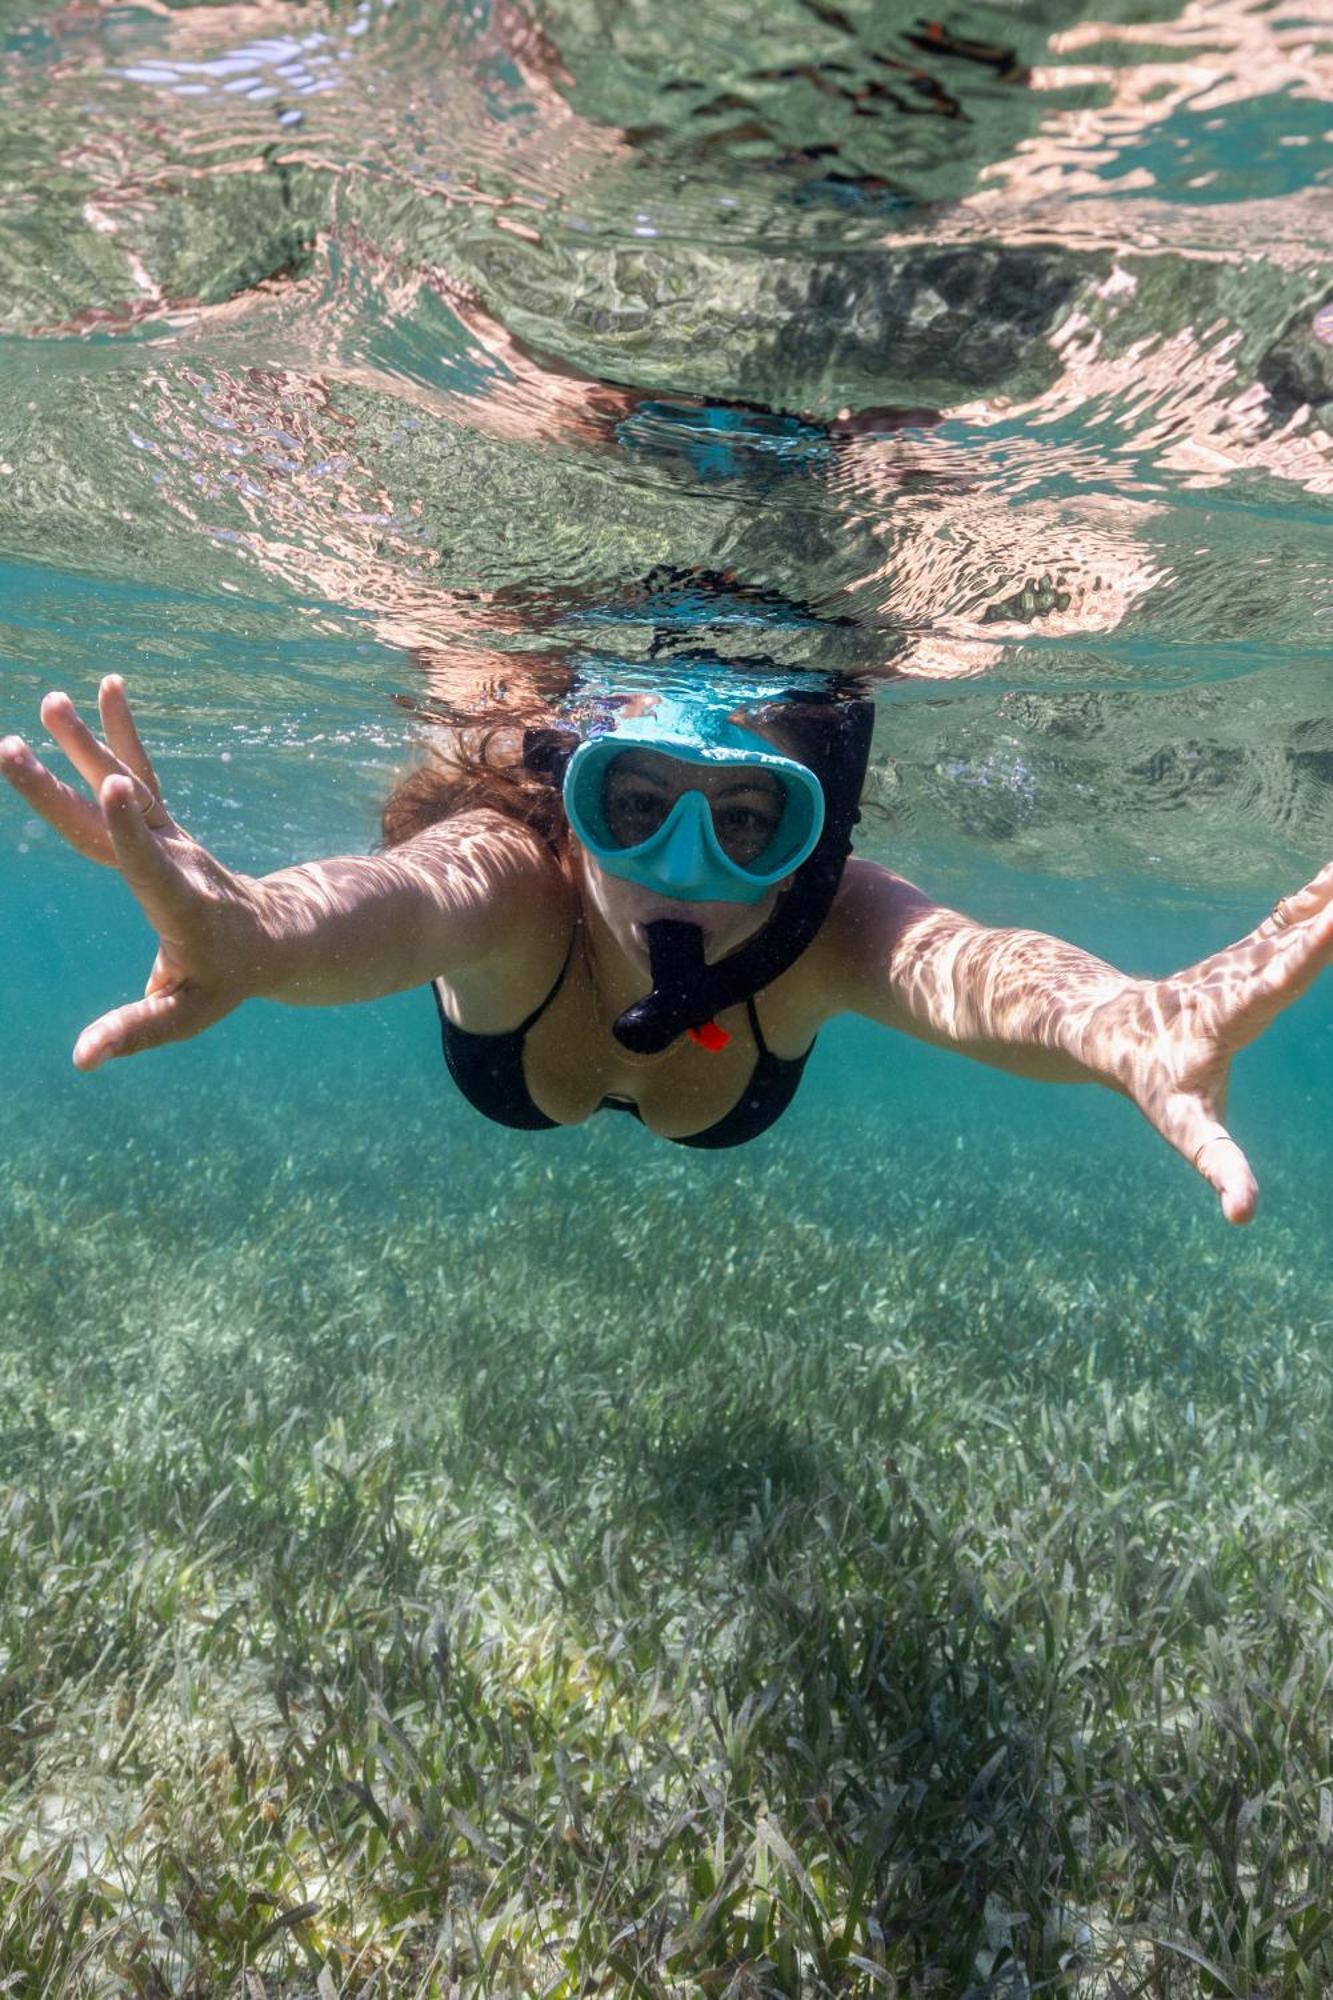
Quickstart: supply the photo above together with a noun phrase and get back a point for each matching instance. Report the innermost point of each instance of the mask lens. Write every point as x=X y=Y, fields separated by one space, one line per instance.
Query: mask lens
x=641 y=787
x=746 y=822
x=635 y=801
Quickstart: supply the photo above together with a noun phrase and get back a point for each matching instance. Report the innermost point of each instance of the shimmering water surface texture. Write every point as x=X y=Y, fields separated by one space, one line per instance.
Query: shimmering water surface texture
x=357 y=358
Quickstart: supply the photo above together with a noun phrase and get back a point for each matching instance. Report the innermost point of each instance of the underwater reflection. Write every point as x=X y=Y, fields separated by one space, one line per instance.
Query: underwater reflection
x=396 y=320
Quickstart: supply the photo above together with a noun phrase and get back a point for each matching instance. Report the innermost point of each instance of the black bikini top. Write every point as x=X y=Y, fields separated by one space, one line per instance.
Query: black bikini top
x=488 y=1069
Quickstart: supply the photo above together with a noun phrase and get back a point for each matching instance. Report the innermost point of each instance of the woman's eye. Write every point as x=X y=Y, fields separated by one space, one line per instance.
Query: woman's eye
x=747 y=820
x=638 y=803
x=634 y=812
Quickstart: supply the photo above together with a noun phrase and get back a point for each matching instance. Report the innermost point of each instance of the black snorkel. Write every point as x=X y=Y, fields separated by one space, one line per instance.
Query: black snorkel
x=688 y=993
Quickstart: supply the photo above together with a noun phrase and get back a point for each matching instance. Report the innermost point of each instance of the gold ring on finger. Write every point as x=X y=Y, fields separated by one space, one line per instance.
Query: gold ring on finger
x=1202 y=1148
x=1281 y=914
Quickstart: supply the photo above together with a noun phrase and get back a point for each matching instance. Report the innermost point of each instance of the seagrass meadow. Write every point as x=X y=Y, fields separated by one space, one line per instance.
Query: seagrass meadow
x=892 y=1560
x=433 y=1566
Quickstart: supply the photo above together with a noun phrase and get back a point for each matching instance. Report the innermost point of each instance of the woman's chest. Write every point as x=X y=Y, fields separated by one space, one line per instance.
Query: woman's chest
x=572 y=1063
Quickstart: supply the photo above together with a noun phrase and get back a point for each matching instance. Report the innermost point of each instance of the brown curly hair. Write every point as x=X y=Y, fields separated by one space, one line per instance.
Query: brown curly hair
x=482 y=769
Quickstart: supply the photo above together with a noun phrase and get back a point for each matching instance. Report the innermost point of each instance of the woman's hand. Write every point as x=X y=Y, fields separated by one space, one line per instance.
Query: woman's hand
x=209 y=922
x=1169 y=1042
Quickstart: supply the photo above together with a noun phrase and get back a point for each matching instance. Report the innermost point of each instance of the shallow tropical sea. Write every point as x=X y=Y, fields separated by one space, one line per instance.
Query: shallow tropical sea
x=893 y=1558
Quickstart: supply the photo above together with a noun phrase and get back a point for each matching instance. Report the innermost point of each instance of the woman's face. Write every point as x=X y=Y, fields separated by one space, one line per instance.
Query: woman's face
x=642 y=786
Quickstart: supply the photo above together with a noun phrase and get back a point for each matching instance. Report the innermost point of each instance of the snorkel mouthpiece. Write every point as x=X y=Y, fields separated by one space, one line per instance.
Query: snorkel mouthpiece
x=676 y=959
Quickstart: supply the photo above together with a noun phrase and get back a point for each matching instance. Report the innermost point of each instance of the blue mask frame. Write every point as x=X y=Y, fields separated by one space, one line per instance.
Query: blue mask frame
x=683 y=859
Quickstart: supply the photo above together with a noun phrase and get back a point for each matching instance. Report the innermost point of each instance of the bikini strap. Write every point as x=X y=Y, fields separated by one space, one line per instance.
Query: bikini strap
x=755 y=1028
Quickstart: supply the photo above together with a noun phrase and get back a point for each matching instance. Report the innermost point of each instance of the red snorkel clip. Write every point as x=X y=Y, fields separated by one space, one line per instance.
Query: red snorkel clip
x=709 y=1036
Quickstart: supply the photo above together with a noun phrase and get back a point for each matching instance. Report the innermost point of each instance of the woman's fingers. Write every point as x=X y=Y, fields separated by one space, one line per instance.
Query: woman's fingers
x=122 y=732
x=75 y=819
x=1294 y=961
x=1227 y=1171
x=1237 y=992
x=93 y=761
x=168 y=898
x=1195 y=1132
x=78 y=820
x=1233 y=996
x=144 y=1024
x=1295 y=909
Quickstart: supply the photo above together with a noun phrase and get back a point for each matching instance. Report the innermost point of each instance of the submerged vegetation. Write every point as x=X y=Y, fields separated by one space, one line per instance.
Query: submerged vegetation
x=710 y=1592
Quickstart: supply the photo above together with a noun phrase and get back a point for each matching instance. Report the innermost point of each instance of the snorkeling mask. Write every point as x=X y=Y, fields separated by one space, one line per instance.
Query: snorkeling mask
x=757 y=819
x=689 y=856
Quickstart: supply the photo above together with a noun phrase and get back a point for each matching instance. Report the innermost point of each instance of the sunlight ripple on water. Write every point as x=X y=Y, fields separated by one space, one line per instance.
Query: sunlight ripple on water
x=347 y=347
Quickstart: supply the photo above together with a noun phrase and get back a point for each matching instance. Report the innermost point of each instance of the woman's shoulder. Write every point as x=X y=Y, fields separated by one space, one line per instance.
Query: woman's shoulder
x=869 y=911
x=522 y=909
x=494 y=856
x=869 y=886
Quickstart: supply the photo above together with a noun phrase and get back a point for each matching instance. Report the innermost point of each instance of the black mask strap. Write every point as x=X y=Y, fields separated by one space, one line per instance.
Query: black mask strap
x=546 y=752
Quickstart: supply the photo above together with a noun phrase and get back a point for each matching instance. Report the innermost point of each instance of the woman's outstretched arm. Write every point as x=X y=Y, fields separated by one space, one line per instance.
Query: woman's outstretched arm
x=363 y=925
x=323 y=933
x=1018 y=999
x=1043 y=1008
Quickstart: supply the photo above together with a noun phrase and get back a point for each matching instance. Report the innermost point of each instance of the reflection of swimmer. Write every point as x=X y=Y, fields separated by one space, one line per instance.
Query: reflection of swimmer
x=724 y=440
x=653 y=906
x=750 y=441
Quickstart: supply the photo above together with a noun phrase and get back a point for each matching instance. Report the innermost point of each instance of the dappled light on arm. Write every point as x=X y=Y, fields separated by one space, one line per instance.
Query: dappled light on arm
x=366 y=925
x=1044 y=1009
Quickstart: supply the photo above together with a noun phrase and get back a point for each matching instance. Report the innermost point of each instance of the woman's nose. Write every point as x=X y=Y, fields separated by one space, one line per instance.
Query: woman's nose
x=683 y=856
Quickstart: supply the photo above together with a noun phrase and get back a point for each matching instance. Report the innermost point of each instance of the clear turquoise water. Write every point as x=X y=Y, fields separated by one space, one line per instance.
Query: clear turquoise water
x=355 y=352
x=343 y=346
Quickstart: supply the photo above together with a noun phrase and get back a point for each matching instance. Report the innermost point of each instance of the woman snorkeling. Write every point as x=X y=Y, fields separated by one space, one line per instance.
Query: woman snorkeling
x=651 y=905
